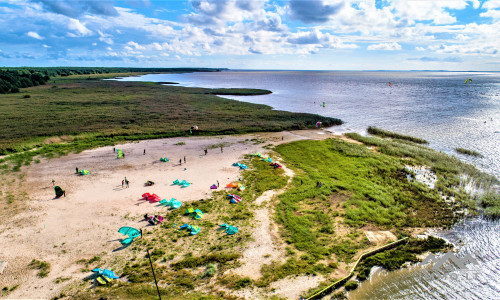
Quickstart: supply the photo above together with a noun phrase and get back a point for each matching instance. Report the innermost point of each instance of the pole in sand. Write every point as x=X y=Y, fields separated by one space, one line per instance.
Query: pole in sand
x=151 y=263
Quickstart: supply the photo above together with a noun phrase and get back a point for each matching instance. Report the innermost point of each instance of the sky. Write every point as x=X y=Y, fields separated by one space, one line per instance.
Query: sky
x=458 y=35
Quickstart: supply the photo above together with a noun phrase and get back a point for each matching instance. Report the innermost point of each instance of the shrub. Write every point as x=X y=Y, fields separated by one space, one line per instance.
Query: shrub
x=351 y=285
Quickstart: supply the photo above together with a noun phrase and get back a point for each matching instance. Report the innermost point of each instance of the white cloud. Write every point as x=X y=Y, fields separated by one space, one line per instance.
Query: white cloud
x=136 y=45
x=34 y=35
x=492 y=13
x=491 y=4
x=385 y=46
x=75 y=25
x=106 y=38
x=435 y=11
x=420 y=48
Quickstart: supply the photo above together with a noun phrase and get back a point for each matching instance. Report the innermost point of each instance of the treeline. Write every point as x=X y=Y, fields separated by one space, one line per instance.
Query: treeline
x=12 y=79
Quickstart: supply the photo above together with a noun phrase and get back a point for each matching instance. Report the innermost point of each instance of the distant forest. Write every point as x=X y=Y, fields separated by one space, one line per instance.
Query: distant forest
x=12 y=79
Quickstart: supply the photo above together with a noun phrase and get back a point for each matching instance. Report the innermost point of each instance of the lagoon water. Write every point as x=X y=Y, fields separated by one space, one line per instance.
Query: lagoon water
x=436 y=106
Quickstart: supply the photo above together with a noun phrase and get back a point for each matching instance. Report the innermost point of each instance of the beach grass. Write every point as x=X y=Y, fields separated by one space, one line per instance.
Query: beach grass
x=468 y=152
x=384 y=133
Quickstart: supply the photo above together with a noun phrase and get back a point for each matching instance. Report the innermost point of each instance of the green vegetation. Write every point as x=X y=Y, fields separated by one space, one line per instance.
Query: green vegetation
x=351 y=285
x=491 y=204
x=42 y=267
x=78 y=114
x=361 y=186
x=468 y=152
x=448 y=168
x=12 y=79
x=393 y=259
x=384 y=133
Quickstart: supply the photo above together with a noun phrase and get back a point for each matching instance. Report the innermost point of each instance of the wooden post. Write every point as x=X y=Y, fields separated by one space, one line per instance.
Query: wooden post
x=156 y=283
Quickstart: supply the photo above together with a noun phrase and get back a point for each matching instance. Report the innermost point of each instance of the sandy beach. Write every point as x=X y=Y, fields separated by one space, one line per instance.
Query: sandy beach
x=84 y=224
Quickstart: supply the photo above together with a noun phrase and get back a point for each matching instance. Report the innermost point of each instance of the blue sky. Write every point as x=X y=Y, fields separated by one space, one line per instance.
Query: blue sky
x=253 y=34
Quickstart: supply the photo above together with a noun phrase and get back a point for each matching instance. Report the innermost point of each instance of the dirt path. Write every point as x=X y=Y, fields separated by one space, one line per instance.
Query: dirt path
x=265 y=248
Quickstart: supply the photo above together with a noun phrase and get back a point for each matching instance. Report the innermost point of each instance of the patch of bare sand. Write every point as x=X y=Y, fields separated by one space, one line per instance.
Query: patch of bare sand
x=85 y=222
x=379 y=237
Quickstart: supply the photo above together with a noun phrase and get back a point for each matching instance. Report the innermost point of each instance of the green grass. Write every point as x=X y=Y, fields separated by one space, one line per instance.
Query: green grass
x=449 y=167
x=393 y=259
x=384 y=133
x=491 y=204
x=361 y=187
x=468 y=152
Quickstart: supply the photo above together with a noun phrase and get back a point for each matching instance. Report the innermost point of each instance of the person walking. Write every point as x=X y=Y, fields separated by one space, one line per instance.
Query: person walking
x=184 y=159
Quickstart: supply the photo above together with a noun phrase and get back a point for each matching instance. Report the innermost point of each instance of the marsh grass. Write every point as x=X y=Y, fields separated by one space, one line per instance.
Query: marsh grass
x=80 y=114
x=393 y=259
x=384 y=133
x=468 y=152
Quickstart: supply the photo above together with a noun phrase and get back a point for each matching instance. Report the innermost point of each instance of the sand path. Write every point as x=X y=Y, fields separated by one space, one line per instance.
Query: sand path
x=266 y=246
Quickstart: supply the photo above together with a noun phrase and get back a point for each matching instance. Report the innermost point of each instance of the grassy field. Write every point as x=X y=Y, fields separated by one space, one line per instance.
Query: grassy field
x=80 y=112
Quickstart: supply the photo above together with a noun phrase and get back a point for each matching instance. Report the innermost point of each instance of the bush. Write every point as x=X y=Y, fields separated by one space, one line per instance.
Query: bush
x=351 y=285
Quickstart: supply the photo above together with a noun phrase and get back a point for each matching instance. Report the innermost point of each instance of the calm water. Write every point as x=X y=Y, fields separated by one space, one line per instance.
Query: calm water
x=437 y=106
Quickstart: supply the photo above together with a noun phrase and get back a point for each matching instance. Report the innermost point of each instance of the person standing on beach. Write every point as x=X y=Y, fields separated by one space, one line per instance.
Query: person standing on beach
x=123 y=182
x=221 y=149
x=206 y=151
x=113 y=149
x=217 y=183
x=76 y=170
x=53 y=182
x=144 y=152
x=126 y=182
x=180 y=162
x=184 y=159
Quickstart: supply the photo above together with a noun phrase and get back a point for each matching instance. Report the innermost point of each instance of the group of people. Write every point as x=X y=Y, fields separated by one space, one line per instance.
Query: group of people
x=125 y=182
